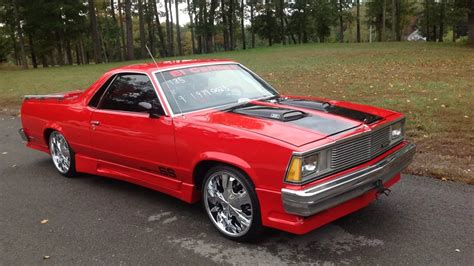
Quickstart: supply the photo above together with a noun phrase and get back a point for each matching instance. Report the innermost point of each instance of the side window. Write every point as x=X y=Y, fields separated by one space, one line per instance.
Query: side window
x=94 y=102
x=131 y=92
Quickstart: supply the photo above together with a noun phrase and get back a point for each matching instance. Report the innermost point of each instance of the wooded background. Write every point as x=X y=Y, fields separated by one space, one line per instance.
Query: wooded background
x=58 y=32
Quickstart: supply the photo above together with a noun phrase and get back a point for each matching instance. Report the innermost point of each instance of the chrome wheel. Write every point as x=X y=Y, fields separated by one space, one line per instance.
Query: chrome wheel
x=228 y=203
x=60 y=152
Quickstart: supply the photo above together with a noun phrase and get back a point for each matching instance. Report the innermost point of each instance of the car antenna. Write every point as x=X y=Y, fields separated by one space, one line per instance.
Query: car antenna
x=151 y=55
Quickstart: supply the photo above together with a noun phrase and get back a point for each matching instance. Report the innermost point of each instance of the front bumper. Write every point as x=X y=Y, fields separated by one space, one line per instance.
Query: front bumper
x=334 y=192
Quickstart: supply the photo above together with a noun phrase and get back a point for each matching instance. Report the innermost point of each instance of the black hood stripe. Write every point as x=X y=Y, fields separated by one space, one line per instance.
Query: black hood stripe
x=320 y=124
x=331 y=109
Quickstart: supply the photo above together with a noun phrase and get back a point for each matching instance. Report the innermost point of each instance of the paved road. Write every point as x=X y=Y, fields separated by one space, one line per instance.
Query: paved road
x=95 y=220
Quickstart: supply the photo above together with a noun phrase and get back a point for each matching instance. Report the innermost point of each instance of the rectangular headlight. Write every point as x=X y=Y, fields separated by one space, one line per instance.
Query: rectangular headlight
x=307 y=167
x=397 y=131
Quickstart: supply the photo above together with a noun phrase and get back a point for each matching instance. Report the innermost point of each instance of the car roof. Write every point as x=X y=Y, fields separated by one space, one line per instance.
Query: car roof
x=149 y=67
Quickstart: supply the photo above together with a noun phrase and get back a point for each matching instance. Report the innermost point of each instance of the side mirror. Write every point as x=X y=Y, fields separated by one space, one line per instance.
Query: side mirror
x=148 y=107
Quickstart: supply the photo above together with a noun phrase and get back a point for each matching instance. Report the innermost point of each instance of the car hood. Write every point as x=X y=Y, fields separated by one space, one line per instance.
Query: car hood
x=294 y=121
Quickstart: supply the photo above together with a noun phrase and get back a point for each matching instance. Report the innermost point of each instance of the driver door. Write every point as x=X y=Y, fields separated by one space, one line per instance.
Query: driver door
x=124 y=134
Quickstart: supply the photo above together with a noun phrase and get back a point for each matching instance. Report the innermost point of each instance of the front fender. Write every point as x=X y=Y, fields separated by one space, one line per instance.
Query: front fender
x=230 y=160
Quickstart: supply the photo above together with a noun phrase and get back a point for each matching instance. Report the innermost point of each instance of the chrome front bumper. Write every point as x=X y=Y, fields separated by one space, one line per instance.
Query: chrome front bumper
x=334 y=192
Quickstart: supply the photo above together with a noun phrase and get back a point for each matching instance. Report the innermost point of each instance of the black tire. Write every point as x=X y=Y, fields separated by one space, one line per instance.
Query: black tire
x=70 y=171
x=255 y=228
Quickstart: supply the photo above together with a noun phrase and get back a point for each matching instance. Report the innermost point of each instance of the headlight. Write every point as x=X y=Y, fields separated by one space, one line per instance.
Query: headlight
x=309 y=165
x=396 y=132
x=304 y=168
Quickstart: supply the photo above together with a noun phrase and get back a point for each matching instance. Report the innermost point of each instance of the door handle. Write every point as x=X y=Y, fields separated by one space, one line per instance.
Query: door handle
x=95 y=123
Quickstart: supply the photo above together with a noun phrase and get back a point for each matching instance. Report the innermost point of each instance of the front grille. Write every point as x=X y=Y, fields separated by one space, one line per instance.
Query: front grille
x=359 y=150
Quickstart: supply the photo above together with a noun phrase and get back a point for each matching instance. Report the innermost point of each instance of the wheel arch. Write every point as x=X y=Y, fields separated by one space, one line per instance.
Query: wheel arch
x=48 y=130
x=213 y=159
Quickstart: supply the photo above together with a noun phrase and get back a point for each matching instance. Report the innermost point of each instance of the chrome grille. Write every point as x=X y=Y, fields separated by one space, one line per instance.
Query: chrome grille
x=360 y=150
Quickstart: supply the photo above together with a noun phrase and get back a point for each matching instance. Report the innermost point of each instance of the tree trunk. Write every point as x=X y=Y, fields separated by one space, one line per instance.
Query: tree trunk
x=168 y=36
x=122 y=32
x=44 y=61
x=178 y=29
x=129 y=28
x=398 y=25
x=199 y=21
x=68 y=53
x=282 y=24
x=32 y=50
x=242 y=26
x=96 y=45
x=160 y=30
x=358 y=20
x=191 y=26
x=470 y=22
x=78 y=57
x=59 y=48
x=341 y=23
x=171 y=44
x=252 y=5
x=210 y=27
x=231 y=25
x=151 y=28
x=384 y=10
x=13 y=41
x=441 y=20
x=394 y=19
x=427 y=20
x=225 y=26
x=20 y=35
x=141 y=22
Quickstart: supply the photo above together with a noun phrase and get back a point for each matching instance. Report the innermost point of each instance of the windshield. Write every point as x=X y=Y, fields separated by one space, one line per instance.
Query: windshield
x=196 y=88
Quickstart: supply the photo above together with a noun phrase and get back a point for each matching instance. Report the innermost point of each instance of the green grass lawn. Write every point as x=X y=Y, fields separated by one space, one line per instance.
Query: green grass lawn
x=433 y=84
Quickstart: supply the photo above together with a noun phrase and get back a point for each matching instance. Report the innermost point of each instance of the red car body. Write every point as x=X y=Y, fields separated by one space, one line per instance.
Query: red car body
x=171 y=153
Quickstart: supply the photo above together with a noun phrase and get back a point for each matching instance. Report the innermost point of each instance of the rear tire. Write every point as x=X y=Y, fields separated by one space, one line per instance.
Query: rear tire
x=62 y=154
x=231 y=203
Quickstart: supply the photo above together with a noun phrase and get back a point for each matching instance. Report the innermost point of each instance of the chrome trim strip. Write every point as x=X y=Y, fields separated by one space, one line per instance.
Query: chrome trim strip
x=44 y=96
x=334 y=192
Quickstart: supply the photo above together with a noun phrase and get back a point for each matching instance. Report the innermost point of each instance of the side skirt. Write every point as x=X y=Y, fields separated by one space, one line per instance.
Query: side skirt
x=172 y=187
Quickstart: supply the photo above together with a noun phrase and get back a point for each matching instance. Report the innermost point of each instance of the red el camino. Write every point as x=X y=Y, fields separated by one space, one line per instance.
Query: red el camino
x=212 y=130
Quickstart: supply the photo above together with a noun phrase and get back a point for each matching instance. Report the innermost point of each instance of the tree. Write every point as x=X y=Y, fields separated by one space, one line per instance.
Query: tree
x=141 y=23
x=24 y=62
x=163 y=50
x=242 y=26
x=252 y=7
x=178 y=30
x=191 y=26
x=122 y=31
x=129 y=30
x=97 y=48
x=358 y=20
x=470 y=21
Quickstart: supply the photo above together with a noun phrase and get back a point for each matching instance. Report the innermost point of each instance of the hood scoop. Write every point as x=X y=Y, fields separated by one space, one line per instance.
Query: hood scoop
x=275 y=113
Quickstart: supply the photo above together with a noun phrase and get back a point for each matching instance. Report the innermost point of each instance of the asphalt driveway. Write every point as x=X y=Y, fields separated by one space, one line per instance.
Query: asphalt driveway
x=95 y=220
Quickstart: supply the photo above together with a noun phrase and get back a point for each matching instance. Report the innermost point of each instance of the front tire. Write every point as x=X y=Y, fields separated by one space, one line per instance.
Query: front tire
x=62 y=154
x=231 y=203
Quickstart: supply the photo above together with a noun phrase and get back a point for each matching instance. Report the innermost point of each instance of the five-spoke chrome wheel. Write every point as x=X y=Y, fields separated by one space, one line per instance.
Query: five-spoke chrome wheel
x=60 y=153
x=228 y=203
